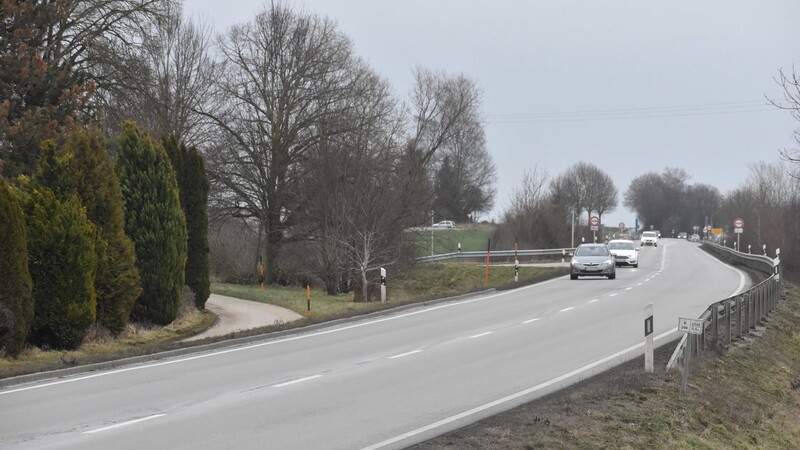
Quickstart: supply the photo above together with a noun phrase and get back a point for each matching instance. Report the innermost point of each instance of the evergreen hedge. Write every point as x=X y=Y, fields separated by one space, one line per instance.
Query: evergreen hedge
x=155 y=222
x=194 y=186
x=63 y=261
x=16 y=300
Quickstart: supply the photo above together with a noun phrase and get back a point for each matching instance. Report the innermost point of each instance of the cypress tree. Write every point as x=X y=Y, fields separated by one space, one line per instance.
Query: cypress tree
x=62 y=259
x=16 y=300
x=194 y=186
x=155 y=222
x=85 y=167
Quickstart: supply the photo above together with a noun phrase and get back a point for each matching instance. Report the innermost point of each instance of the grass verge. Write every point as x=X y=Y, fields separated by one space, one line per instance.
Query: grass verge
x=747 y=397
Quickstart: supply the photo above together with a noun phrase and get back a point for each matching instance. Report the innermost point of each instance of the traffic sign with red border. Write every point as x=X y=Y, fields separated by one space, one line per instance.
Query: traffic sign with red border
x=594 y=221
x=738 y=223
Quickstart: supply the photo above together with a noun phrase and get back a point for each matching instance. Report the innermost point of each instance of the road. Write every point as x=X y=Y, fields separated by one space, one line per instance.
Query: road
x=384 y=382
x=235 y=314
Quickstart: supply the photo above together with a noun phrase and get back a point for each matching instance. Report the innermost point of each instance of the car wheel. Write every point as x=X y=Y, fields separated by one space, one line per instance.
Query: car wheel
x=572 y=276
x=612 y=276
x=655 y=245
x=636 y=265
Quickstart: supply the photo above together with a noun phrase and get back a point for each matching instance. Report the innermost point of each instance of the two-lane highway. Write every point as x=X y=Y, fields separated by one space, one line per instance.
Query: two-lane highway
x=383 y=382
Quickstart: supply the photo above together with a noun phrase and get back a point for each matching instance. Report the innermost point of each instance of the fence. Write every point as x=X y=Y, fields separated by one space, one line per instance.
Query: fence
x=734 y=316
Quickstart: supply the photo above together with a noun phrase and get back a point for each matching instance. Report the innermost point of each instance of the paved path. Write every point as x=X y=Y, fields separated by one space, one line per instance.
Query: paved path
x=235 y=314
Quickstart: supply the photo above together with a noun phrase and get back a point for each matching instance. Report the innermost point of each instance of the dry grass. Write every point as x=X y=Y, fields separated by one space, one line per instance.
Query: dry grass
x=748 y=397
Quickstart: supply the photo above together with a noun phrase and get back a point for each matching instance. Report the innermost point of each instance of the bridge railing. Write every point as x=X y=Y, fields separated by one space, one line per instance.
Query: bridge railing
x=737 y=315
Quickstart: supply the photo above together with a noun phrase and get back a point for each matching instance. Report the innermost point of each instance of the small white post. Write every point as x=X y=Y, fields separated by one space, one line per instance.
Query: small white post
x=516 y=270
x=383 y=285
x=648 y=338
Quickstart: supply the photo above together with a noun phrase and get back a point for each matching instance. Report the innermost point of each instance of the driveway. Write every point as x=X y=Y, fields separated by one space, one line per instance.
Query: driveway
x=235 y=314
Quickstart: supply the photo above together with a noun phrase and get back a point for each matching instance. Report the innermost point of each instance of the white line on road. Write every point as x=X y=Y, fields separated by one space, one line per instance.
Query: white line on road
x=531 y=320
x=638 y=284
x=594 y=300
x=567 y=309
x=118 y=425
x=299 y=380
x=276 y=341
x=480 y=335
x=511 y=397
x=614 y=294
x=629 y=288
x=404 y=354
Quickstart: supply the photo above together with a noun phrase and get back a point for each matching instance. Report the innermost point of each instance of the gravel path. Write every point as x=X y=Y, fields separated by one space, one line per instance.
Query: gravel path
x=234 y=314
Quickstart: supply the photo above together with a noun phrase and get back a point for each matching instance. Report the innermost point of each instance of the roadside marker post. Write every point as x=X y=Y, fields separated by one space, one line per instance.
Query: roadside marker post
x=486 y=277
x=648 y=338
x=308 y=299
x=383 y=285
x=690 y=327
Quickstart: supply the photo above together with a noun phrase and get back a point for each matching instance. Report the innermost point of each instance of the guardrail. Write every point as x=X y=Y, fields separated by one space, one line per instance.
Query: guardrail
x=481 y=256
x=734 y=316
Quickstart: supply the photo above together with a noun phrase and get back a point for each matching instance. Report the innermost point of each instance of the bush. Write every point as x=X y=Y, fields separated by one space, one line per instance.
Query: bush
x=63 y=263
x=84 y=167
x=16 y=300
x=155 y=222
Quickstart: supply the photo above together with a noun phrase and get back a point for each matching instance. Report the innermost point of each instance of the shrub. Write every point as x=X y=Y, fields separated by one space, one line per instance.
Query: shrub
x=155 y=222
x=63 y=263
x=16 y=300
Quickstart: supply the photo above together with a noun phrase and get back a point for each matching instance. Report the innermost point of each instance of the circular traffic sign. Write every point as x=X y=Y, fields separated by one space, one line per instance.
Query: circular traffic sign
x=594 y=221
x=738 y=223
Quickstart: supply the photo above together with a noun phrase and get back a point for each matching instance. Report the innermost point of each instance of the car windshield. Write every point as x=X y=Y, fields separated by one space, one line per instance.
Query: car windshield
x=595 y=250
x=648 y=234
x=621 y=246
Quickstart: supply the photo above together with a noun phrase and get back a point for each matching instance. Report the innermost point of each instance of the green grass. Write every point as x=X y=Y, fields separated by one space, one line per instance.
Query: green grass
x=472 y=239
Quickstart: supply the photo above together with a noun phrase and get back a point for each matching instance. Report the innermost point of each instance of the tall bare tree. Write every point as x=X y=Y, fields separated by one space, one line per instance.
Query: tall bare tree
x=284 y=79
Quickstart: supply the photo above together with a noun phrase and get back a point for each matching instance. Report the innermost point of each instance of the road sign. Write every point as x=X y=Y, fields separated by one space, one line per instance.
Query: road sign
x=691 y=326
x=707 y=228
x=622 y=226
x=716 y=231
x=738 y=223
x=594 y=221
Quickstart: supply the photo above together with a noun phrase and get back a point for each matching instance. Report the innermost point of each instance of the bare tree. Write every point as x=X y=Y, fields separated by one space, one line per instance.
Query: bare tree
x=584 y=187
x=169 y=79
x=285 y=78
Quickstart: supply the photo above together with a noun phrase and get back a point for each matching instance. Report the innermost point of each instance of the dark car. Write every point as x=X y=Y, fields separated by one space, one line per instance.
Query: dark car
x=592 y=260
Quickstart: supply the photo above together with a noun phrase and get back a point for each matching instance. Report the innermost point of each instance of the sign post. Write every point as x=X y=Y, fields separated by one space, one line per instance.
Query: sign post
x=383 y=285
x=692 y=327
x=648 y=338
x=594 y=223
x=738 y=227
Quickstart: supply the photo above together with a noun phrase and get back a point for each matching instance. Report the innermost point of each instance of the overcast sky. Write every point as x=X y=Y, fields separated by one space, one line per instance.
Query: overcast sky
x=631 y=86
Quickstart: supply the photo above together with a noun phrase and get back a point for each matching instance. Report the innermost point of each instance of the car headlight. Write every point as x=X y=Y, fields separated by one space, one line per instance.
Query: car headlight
x=575 y=262
x=608 y=262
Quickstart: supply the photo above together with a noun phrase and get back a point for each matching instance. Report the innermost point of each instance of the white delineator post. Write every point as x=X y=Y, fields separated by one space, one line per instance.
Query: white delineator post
x=383 y=285
x=648 y=338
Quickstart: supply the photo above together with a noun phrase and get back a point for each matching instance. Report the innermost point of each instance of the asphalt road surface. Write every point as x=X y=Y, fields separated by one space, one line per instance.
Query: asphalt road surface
x=384 y=382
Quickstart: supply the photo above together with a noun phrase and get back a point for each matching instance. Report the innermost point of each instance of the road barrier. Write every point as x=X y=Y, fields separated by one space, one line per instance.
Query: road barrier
x=736 y=316
x=498 y=255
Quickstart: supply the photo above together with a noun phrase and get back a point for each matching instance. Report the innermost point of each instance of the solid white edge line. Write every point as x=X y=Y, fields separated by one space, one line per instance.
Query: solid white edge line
x=511 y=397
x=299 y=380
x=404 y=354
x=481 y=334
x=123 y=424
x=277 y=341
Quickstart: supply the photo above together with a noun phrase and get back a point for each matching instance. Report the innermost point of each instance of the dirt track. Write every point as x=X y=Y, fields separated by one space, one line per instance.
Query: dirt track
x=234 y=314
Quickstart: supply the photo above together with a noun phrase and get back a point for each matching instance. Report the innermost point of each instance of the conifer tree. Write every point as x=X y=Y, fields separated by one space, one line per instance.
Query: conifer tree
x=193 y=185
x=63 y=261
x=16 y=301
x=155 y=222
x=83 y=166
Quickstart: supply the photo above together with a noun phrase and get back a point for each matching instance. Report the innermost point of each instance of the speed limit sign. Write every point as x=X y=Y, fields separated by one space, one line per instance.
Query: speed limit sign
x=738 y=223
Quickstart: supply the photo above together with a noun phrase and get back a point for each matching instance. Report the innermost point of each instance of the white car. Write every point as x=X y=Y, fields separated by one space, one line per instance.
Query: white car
x=445 y=224
x=650 y=238
x=624 y=251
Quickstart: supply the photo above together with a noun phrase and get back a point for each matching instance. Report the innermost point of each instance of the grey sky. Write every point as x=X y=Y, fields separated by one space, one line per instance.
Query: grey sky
x=643 y=85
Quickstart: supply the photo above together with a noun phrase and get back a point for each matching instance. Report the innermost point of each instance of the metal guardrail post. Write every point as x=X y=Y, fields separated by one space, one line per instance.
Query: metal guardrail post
x=714 y=324
x=739 y=315
x=727 y=322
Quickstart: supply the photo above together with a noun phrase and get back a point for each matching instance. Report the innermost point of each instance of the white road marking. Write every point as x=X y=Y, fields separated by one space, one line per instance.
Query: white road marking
x=629 y=288
x=404 y=354
x=614 y=294
x=531 y=320
x=274 y=342
x=299 y=380
x=480 y=335
x=567 y=309
x=594 y=300
x=123 y=424
x=511 y=397
x=639 y=284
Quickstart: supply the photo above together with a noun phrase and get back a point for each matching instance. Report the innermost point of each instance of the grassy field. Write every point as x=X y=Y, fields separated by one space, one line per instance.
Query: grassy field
x=473 y=238
x=747 y=397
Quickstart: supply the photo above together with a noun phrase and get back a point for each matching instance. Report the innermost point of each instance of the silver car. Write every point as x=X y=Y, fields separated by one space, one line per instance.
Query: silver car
x=592 y=260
